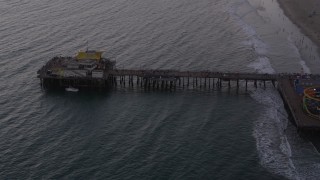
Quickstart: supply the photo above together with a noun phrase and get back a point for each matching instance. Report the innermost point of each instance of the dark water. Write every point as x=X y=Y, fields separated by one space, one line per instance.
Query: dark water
x=133 y=134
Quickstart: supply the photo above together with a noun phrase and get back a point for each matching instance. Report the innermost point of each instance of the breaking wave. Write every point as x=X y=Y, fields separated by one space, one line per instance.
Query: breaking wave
x=269 y=129
x=302 y=62
x=281 y=150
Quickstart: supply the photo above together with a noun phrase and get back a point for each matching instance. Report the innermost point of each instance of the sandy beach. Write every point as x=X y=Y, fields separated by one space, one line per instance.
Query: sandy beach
x=306 y=15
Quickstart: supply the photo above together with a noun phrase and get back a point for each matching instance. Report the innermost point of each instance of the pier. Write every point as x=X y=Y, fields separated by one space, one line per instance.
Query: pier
x=171 y=79
x=88 y=70
x=157 y=79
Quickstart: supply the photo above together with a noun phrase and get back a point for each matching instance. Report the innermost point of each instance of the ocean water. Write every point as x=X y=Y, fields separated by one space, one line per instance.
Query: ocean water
x=136 y=134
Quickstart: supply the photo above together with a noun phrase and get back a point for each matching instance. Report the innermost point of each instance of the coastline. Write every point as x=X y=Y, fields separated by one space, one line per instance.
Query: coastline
x=306 y=15
x=302 y=14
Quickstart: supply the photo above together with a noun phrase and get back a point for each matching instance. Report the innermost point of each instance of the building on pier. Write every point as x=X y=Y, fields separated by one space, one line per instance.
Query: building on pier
x=86 y=69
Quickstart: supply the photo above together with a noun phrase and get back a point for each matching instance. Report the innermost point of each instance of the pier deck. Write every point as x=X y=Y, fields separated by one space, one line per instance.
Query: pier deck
x=172 y=78
x=194 y=74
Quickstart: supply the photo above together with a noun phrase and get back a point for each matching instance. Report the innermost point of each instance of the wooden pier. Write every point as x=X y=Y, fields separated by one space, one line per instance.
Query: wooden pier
x=170 y=79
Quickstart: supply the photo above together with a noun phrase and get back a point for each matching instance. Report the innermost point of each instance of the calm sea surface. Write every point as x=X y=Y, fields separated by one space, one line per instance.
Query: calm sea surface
x=133 y=134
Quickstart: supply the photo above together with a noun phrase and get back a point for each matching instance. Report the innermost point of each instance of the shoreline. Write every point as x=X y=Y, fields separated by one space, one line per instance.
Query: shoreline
x=301 y=13
x=306 y=15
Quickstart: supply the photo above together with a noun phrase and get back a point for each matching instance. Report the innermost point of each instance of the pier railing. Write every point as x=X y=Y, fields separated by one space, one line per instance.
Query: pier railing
x=194 y=74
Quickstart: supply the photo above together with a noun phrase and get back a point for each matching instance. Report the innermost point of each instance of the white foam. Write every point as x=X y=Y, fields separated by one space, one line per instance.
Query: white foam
x=253 y=40
x=269 y=131
x=280 y=148
x=292 y=45
x=272 y=144
x=262 y=65
x=305 y=68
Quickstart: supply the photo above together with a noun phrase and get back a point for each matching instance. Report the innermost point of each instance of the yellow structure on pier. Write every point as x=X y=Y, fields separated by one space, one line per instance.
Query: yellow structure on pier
x=89 y=55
